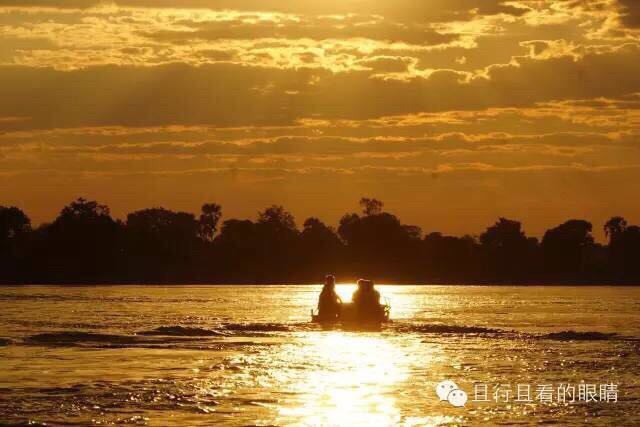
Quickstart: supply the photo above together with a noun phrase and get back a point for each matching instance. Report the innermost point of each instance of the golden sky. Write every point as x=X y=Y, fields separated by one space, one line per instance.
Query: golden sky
x=453 y=112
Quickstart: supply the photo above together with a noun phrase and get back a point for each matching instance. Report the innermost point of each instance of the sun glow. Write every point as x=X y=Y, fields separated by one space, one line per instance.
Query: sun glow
x=345 y=291
x=353 y=382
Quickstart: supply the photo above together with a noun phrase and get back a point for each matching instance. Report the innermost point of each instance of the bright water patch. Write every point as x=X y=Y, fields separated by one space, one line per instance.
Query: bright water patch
x=242 y=355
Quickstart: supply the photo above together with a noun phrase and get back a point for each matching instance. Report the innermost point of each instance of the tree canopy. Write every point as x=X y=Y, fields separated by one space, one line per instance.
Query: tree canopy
x=86 y=244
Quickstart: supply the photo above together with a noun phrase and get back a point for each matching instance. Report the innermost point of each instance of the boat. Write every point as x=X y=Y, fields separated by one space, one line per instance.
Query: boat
x=350 y=315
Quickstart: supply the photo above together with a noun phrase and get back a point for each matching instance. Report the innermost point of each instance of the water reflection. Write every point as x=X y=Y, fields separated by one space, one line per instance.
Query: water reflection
x=92 y=363
x=355 y=381
x=402 y=305
x=345 y=291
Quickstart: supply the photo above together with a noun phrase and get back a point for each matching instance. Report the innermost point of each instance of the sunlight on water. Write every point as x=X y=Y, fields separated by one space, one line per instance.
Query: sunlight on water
x=353 y=385
x=345 y=291
x=248 y=355
x=387 y=295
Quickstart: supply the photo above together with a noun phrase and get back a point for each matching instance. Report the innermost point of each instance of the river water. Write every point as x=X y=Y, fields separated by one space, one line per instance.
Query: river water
x=247 y=355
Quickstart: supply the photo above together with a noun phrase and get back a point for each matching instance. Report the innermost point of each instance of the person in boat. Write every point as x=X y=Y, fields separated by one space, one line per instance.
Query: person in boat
x=329 y=302
x=367 y=300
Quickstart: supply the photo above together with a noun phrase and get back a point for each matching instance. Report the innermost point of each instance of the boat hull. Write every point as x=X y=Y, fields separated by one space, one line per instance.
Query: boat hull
x=350 y=314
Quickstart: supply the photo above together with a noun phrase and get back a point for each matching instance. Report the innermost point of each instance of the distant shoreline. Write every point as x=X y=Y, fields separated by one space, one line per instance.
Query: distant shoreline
x=85 y=245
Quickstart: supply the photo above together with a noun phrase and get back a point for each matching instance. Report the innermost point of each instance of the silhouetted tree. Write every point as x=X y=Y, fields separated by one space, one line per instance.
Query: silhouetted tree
x=264 y=251
x=318 y=235
x=237 y=249
x=564 y=248
x=159 y=236
x=277 y=219
x=172 y=231
x=450 y=258
x=209 y=218
x=629 y=253
x=237 y=233
x=13 y=223
x=615 y=227
x=86 y=245
x=624 y=249
x=278 y=243
x=83 y=244
x=379 y=243
x=321 y=248
x=508 y=253
x=15 y=227
x=371 y=206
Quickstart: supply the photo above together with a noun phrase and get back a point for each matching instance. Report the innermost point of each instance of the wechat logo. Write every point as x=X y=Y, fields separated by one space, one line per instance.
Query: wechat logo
x=449 y=391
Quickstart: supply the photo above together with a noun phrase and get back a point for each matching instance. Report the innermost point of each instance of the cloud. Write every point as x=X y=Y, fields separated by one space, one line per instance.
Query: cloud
x=448 y=103
x=228 y=95
x=250 y=26
x=141 y=37
x=409 y=10
x=231 y=95
x=630 y=13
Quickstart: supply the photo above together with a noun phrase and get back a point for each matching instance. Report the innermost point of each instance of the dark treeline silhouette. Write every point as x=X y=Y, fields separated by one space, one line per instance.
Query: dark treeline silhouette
x=85 y=244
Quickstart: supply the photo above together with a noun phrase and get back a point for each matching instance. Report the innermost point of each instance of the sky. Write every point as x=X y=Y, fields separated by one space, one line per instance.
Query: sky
x=453 y=112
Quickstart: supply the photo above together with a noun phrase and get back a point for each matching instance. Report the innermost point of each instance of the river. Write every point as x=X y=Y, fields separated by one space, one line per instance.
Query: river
x=247 y=355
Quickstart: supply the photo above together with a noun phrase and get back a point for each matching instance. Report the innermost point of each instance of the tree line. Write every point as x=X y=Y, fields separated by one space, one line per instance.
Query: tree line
x=85 y=244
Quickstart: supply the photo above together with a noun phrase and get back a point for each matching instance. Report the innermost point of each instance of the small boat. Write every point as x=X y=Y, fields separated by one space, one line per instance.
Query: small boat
x=350 y=315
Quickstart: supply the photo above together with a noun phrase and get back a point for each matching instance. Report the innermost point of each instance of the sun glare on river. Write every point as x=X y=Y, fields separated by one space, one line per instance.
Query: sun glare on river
x=388 y=295
x=353 y=381
x=345 y=291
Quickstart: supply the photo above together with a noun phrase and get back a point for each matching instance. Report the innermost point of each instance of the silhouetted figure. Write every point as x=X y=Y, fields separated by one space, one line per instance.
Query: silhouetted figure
x=329 y=302
x=367 y=300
